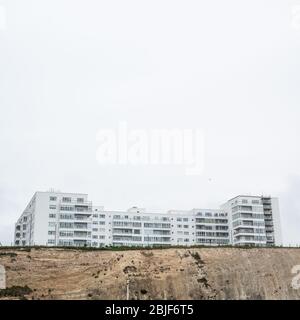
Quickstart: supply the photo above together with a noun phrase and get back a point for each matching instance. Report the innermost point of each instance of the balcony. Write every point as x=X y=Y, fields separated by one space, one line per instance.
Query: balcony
x=82 y=243
x=83 y=219
x=243 y=231
x=83 y=226
x=81 y=235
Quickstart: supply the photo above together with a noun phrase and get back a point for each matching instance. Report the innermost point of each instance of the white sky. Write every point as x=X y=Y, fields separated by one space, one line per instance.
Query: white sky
x=70 y=68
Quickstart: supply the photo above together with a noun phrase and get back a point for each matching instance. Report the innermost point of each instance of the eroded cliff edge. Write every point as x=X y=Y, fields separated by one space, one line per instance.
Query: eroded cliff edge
x=192 y=273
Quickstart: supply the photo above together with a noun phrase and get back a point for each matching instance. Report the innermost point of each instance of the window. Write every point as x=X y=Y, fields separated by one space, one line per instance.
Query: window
x=185 y=219
x=95 y=216
x=66 y=199
x=102 y=216
x=51 y=224
x=53 y=198
x=66 y=225
x=244 y=201
x=179 y=219
x=255 y=201
x=66 y=208
x=66 y=216
x=52 y=207
x=80 y=200
x=51 y=241
x=52 y=215
x=66 y=234
x=51 y=233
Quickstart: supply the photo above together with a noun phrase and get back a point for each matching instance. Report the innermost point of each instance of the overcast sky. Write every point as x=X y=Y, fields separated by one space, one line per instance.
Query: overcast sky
x=228 y=68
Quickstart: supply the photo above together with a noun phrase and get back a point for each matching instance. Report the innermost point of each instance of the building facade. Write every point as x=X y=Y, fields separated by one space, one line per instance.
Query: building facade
x=70 y=219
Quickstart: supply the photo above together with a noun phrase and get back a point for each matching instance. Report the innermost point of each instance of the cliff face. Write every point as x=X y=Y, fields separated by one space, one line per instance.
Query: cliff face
x=206 y=273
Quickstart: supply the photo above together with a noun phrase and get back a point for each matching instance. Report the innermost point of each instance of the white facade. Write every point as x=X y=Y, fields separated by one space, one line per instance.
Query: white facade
x=70 y=219
x=254 y=220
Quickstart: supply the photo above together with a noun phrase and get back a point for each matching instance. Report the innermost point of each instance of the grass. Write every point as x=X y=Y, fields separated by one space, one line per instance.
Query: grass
x=127 y=248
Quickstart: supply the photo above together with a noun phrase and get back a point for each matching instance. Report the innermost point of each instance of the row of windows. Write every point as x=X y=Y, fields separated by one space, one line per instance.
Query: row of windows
x=139 y=239
x=206 y=227
x=186 y=233
x=250 y=238
x=211 y=214
x=98 y=229
x=127 y=231
x=213 y=234
x=127 y=238
x=179 y=226
x=99 y=223
x=248 y=230
x=120 y=217
x=18 y=235
x=100 y=216
x=247 y=216
x=101 y=237
x=180 y=240
x=66 y=199
x=248 y=223
x=248 y=209
x=212 y=241
x=215 y=221
x=68 y=216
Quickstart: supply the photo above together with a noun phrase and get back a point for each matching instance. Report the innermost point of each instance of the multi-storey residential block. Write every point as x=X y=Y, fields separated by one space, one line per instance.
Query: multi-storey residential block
x=70 y=219
x=54 y=218
x=254 y=220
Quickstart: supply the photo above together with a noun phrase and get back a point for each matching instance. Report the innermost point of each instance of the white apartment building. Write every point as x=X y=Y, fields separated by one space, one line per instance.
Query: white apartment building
x=254 y=220
x=70 y=219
